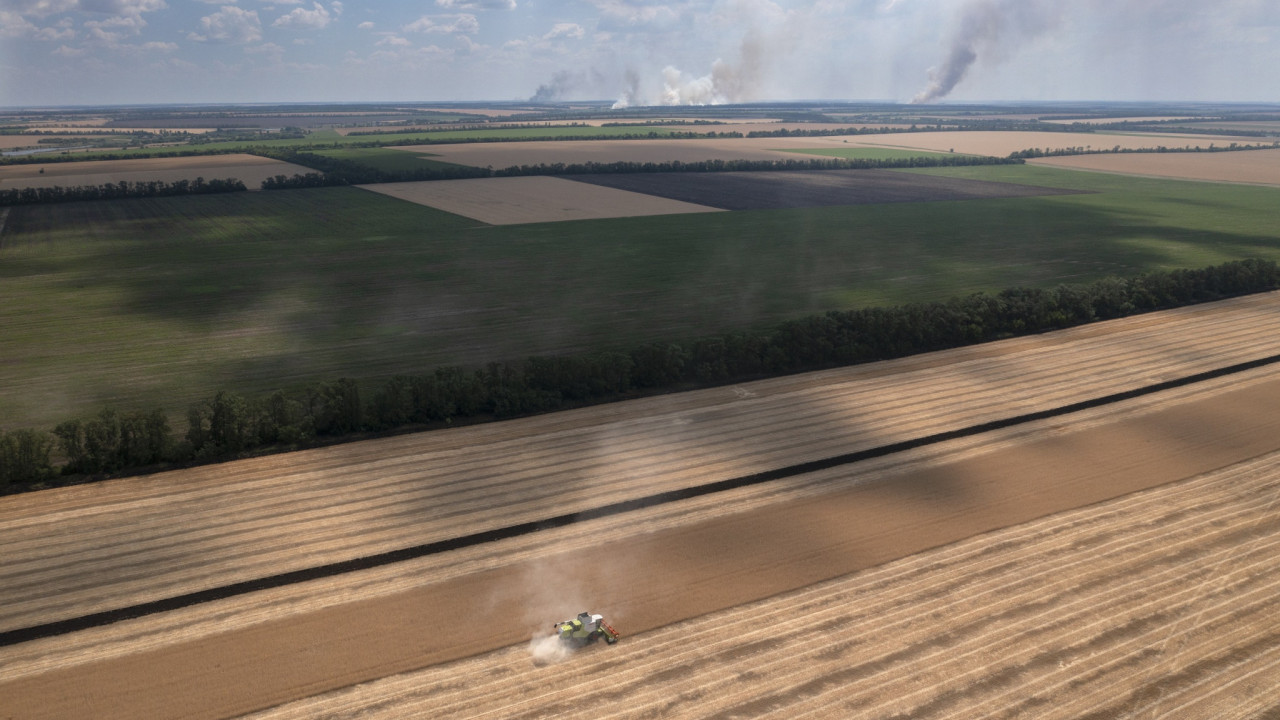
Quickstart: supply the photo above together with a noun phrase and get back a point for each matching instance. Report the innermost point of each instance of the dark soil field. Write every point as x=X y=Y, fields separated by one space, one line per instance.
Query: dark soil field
x=778 y=190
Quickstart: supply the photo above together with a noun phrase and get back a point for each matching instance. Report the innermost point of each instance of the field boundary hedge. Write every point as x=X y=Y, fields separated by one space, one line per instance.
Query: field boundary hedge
x=336 y=171
x=117 y=190
x=229 y=425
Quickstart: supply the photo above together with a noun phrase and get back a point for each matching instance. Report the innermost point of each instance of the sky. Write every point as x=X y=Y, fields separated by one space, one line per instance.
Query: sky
x=92 y=52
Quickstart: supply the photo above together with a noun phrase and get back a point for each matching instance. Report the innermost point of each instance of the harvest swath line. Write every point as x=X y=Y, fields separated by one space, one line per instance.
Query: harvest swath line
x=107 y=617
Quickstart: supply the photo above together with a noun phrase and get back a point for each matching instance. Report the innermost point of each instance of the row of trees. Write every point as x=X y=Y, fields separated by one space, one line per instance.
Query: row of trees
x=116 y=190
x=229 y=424
x=346 y=172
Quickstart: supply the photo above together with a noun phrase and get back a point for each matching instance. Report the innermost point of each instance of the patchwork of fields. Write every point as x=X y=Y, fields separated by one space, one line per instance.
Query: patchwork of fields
x=936 y=536
x=162 y=302
x=811 y=584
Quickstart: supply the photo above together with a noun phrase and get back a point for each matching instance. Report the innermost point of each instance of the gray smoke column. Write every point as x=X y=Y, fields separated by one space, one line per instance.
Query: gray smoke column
x=631 y=90
x=561 y=84
x=726 y=83
x=986 y=29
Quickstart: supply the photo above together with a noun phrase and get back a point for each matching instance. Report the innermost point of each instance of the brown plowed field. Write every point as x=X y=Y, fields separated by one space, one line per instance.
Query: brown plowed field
x=512 y=200
x=1257 y=167
x=77 y=550
x=250 y=169
x=774 y=190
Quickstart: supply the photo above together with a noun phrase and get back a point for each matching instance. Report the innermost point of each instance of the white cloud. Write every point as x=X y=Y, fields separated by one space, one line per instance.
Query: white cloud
x=477 y=4
x=51 y=34
x=565 y=30
x=229 y=25
x=632 y=16
x=366 y=25
x=13 y=25
x=120 y=7
x=464 y=23
x=300 y=19
x=392 y=40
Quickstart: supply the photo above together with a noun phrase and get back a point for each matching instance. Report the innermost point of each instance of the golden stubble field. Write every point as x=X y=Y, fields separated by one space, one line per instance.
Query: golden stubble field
x=250 y=169
x=513 y=200
x=1258 y=167
x=1058 y=604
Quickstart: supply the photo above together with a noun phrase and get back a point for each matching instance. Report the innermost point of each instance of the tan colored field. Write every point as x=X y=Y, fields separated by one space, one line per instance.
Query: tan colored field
x=1001 y=144
x=1258 y=167
x=506 y=154
x=251 y=169
x=515 y=200
x=1087 y=611
x=10 y=142
x=77 y=550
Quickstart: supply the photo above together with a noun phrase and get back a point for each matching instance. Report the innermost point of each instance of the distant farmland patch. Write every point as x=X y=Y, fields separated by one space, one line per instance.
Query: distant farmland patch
x=385 y=159
x=868 y=153
x=517 y=200
x=777 y=190
x=250 y=169
x=1259 y=167
x=1001 y=143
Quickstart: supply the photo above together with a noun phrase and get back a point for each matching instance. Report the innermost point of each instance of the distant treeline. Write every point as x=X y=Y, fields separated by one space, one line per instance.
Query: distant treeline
x=461 y=127
x=346 y=172
x=122 y=189
x=229 y=425
x=1060 y=152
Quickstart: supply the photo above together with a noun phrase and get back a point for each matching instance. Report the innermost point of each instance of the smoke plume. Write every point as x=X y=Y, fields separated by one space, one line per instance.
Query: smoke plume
x=631 y=90
x=986 y=29
x=561 y=84
x=727 y=82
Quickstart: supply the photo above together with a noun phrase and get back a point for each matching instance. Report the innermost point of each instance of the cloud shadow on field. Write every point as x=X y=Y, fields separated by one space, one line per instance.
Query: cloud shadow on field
x=257 y=290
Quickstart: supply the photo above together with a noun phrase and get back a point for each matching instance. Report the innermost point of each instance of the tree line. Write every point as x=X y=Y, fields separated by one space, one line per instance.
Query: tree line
x=116 y=190
x=229 y=425
x=335 y=171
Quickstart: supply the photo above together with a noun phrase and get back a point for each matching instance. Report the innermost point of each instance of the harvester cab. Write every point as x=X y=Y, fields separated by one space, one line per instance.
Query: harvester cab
x=585 y=629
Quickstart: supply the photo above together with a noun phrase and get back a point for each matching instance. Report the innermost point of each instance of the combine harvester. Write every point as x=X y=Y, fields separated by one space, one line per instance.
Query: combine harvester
x=584 y=630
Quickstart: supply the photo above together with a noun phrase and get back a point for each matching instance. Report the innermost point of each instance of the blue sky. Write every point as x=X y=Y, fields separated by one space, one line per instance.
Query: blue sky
x=66 y=52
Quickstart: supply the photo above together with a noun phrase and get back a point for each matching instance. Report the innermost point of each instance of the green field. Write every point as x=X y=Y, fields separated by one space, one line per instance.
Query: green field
x=385 y=159
x=148 y=302
x=865 y=153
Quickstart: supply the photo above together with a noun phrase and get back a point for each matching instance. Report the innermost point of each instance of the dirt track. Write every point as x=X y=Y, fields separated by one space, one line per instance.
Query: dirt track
x=124 y=541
